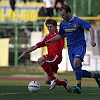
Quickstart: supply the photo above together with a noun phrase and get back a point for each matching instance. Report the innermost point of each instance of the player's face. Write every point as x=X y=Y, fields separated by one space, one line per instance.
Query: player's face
x=64 y=15
x=51 y=28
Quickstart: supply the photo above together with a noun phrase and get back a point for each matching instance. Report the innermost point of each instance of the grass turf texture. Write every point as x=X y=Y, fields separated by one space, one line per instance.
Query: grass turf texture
x=17 y=90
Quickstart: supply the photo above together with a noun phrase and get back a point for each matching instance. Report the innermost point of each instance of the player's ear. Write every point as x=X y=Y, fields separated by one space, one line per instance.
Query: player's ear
x=56 y=27
x=68 y=13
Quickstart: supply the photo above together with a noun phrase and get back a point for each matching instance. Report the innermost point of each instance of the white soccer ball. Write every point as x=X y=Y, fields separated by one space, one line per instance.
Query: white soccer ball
x=34 y=86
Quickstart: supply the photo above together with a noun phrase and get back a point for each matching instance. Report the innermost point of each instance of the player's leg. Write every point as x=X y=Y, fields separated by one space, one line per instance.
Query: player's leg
x=79 y=53
x=47 y=78
x=65 y=84
x=46 y=67
x=76 y=55
x=44 y=62
x=60 y=82
x=87 y=74
x=78 y=74
x=54 y=68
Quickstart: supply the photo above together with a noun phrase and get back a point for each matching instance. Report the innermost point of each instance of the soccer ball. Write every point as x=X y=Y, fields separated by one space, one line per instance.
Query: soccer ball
x=34 y=86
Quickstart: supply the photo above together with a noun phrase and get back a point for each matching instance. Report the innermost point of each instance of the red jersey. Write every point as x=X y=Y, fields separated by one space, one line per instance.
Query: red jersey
x=54 y=48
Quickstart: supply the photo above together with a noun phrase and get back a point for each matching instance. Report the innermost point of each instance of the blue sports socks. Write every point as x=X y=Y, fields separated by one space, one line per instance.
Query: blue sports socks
x=88 y=74
x=78 y=73
x=83 y=73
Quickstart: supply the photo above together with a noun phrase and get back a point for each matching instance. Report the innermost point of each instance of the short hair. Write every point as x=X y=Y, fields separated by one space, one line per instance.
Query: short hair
x=66 y=8
x=51 y=21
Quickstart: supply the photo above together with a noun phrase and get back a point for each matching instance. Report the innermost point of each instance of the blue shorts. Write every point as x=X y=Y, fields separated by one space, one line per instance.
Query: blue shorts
x=76 y=52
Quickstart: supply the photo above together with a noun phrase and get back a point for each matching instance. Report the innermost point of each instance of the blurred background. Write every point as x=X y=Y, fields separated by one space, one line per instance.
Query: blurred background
x=22 y=25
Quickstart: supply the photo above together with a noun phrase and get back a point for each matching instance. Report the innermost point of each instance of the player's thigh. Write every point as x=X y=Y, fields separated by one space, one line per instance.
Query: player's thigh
x=79 y=52
x=54 y=64
x=53 y=61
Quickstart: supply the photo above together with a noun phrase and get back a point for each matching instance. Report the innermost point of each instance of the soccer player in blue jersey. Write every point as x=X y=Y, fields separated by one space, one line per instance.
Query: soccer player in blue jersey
x=73 y=28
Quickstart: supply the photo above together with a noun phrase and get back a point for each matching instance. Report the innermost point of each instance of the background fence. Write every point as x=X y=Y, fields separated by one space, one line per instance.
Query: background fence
x=17 y=33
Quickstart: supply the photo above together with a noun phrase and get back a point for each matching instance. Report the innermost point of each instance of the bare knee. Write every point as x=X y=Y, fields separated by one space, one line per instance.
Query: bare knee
x=77 y=62
x=41 y=60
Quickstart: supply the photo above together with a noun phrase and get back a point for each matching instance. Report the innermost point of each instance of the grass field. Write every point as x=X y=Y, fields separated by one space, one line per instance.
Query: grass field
x=17 y=90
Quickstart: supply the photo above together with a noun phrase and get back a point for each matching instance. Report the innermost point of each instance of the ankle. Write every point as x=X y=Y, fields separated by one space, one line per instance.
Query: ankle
x=52 y=77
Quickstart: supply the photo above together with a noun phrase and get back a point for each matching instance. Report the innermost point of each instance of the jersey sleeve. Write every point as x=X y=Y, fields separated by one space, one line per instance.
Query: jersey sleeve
x=84 y=24
x=41 y=43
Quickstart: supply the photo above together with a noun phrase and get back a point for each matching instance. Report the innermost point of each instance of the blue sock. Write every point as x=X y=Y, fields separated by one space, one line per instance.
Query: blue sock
x=85 y=73
x=78 y=73
x=96 y=76
x=88 y=74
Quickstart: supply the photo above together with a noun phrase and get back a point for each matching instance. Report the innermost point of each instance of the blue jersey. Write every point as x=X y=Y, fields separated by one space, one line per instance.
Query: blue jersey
x=74 y=31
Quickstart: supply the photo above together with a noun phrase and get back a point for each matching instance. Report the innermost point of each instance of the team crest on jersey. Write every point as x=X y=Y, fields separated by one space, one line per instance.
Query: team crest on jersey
x=75 y=25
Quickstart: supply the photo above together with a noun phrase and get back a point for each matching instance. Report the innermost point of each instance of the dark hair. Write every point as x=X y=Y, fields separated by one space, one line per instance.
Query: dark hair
x=51 y=21
x=66 y=8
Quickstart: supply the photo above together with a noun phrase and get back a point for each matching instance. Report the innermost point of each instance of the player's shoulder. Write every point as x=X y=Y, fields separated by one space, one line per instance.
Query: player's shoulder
x=62 y=23
x=77 y=19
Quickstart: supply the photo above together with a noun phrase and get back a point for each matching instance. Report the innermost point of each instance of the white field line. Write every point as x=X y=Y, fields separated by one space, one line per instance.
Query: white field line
x=3 y=94
x=13 y=93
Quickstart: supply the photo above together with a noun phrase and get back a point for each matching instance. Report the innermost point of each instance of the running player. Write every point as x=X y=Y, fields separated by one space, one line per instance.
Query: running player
x=73 y=28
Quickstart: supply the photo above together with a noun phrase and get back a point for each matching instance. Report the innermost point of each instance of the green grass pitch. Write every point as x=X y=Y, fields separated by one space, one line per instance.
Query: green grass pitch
x=17 y=90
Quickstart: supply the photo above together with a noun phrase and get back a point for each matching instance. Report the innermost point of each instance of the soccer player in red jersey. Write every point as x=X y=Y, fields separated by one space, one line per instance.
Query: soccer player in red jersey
x=49 y=62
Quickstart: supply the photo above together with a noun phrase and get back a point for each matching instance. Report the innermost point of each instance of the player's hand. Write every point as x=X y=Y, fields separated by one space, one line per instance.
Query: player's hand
x=93 y=43
x=48 y=42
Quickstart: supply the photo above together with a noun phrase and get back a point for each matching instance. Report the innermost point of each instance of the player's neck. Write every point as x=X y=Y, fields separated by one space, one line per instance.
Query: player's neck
x=70 y=17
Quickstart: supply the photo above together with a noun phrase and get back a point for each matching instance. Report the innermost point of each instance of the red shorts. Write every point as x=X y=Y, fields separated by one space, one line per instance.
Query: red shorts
x=53 y=61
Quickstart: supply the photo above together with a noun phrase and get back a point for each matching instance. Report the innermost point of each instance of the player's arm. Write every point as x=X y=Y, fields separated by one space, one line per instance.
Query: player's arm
x=92 y=37
x=57 y=37
x=38 y=45
x=87 y=26
x=28 y=51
